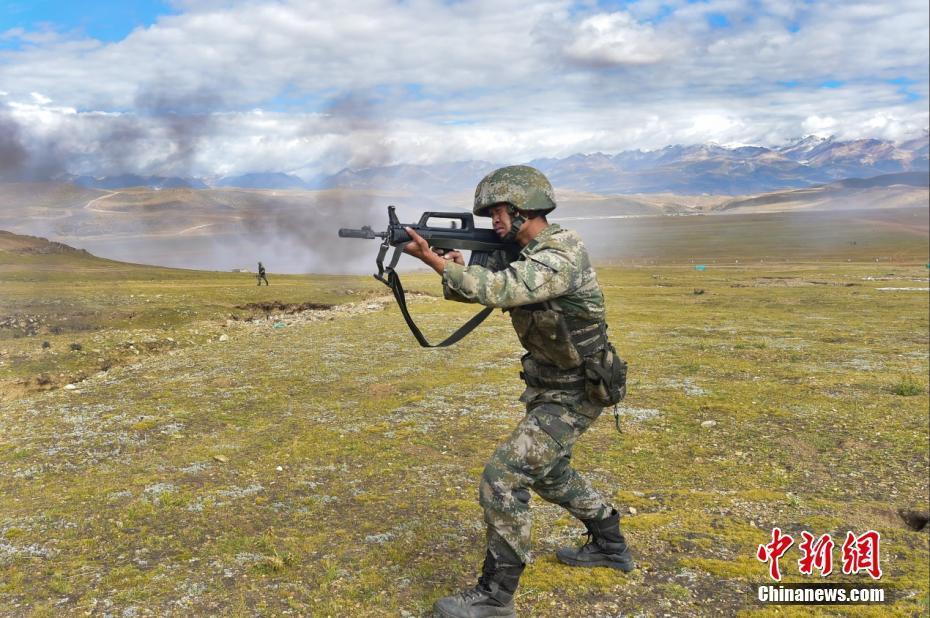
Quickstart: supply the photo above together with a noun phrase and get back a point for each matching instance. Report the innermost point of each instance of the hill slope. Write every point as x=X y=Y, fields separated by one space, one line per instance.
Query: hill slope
x=903 y=190
x=33 y=245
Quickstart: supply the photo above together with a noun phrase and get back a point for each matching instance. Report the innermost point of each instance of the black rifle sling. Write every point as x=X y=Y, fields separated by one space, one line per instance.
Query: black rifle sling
x=393 y=281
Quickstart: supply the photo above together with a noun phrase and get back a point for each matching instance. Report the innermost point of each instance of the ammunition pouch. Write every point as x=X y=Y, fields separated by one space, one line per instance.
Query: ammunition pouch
x=539 y=375
x=605 y=377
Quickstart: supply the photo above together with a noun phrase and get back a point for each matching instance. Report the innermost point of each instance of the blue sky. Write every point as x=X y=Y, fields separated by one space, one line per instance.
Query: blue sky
x=221 y=86
x=104 y=21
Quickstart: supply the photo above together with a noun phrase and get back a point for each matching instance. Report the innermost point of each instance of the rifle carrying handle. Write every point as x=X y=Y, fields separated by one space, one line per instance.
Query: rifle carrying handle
x=466 y=219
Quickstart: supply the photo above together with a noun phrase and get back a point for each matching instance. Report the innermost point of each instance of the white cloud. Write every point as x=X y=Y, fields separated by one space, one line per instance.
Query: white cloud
x=615 y=39
x=821 y=126
x=386 y=82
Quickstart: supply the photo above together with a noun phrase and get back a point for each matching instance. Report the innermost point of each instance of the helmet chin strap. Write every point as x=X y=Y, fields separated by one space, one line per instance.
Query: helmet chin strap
x=516 y=222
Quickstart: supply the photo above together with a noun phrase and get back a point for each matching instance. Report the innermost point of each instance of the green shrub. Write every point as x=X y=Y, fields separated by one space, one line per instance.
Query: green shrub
x=908 y=387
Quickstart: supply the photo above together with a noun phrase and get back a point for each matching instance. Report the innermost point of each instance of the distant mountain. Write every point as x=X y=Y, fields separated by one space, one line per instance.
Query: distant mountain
x=714 y=169
x=262 y=180
x=132 y=180
x=699 y=169
x=437 y=179
x=910 y=179
x=687 y=170
x=907 y=189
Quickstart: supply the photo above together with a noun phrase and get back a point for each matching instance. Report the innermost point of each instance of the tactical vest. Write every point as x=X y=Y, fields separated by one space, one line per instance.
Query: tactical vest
x=556 y=345
x=567 y=353
x=554 y=339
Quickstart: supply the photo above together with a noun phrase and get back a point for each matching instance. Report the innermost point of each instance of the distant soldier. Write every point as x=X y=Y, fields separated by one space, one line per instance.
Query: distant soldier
x=571 y=372
x=261 y=275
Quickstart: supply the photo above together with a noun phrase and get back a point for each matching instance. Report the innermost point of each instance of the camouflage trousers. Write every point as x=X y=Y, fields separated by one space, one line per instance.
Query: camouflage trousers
x=537 y=456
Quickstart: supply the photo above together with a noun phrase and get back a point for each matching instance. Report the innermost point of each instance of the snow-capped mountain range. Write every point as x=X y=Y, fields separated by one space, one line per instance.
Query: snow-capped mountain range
x=696 y=169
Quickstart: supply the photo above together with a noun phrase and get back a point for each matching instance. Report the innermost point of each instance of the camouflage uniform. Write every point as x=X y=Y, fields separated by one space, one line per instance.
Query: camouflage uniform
x=553 y=272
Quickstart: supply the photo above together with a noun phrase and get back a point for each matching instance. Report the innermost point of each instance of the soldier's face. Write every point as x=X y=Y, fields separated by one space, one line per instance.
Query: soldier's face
x=500 y=219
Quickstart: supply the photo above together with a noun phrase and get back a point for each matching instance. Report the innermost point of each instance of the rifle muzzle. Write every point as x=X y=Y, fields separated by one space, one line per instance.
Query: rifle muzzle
x=365 y=232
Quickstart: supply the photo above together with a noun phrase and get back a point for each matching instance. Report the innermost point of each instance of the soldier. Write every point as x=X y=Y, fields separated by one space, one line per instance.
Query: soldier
x=571 y=372
x=261 y=275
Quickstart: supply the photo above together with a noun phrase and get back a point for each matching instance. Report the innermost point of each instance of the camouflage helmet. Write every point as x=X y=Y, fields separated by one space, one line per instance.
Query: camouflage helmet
x=523 y=187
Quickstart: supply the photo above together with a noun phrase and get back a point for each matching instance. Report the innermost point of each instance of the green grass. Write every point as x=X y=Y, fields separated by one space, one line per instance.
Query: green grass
x=330 y=467
x=909 y=387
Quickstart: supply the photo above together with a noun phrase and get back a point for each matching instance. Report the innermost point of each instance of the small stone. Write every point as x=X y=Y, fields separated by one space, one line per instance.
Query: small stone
x=709 y=424
x=224 y=337
x=279 y=469
x=631 y=510
x=70 y=387
x=221 y=458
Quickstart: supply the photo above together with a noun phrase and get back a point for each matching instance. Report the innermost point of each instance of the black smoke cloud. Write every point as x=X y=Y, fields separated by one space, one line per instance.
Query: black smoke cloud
x=181 y=119
x=13 y=154
x=90 y=142
x=310 y=229
x=164 y=136
x=22 y=158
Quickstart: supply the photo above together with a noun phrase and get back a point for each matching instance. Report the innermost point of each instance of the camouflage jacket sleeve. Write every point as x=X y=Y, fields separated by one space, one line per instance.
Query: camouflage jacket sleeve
x=450 y=294
x=543 y=275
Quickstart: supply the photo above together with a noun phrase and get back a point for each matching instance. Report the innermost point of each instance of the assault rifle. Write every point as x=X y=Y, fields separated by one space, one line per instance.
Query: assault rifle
x=487 y=250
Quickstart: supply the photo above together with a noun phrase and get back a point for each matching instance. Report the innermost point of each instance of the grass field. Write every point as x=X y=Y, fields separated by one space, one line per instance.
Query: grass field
x=168 y=447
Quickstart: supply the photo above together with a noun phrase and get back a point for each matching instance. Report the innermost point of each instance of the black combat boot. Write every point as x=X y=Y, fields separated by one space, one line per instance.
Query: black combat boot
x=605 y=546
x=492 y=597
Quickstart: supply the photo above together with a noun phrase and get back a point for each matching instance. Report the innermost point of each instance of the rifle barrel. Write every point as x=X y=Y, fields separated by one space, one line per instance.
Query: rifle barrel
x=365 y=232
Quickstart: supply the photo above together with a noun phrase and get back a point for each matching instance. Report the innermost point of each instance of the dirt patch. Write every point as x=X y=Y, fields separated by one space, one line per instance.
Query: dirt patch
x=276 y=306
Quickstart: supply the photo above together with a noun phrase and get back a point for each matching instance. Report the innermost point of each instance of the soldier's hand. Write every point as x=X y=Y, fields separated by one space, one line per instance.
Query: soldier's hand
x=454 y=256
x=417 y=247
